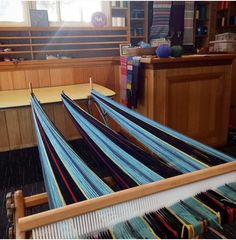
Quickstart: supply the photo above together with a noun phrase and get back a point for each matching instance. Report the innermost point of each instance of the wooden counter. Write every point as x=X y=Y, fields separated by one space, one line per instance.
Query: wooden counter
x=190 y=94
x=21 y=98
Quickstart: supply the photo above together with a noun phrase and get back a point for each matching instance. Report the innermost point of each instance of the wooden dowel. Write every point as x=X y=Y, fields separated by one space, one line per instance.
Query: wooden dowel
x=31 y=88
x=59 y=214
x=36 y=200
x=19 y=213
x=91 y=83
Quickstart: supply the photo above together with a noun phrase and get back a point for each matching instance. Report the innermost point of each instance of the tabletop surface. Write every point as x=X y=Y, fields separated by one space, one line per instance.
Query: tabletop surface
x=21 y=98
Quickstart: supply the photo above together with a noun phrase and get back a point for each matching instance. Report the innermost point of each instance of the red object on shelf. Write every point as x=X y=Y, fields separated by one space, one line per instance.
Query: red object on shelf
x=221 y=5
x=226 y=4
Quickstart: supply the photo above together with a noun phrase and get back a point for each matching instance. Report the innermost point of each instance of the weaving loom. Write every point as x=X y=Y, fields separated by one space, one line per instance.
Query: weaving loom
x=89 y=218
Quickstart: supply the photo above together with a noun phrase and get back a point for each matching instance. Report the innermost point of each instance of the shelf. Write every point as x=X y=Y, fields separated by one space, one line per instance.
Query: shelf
x=202 y=20
x=201 y=36
x=226 y=27
x=59 y=50
x=119 y=8
x=59 y=44
x=59 y=29
x=104 y=42
x=54 y=37
x=137 y=36
x=222 y=10
x=136 y=19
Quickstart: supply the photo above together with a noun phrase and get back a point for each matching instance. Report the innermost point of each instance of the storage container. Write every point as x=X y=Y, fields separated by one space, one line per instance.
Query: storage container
x=225 y=36
x=222 y=46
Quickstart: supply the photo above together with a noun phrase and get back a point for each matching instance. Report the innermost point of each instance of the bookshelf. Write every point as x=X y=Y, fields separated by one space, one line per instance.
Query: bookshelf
x=119 y=13
x=226 y=16
x=204 y=23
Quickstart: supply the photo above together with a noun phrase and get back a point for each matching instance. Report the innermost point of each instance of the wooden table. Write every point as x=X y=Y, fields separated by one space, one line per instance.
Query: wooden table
x=21 y=98
x=16 y=124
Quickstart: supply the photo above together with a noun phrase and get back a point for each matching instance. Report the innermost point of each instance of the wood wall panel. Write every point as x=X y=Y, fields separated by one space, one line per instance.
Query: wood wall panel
x=198 y=103
x=59 y=118
x=6 y=81
x=44 y=77
x=19 y=80
x=61 y=76
x=13 y=128
x=32 y=77
x=233 y=97
x=26 y=126
x=4 y=140
x=17 y=129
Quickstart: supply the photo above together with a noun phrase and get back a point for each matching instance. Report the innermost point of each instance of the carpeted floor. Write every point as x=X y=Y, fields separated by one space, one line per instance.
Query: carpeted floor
x=20 y=169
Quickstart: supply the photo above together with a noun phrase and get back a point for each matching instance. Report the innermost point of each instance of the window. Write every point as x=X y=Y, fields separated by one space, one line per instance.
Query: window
x=12 y=11
x=66 y=12
x=52 y=7
x=69 y=11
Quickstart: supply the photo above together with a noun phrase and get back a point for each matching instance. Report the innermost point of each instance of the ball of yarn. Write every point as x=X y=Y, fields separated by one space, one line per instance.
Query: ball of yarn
x=176 y=51
x=163 y=51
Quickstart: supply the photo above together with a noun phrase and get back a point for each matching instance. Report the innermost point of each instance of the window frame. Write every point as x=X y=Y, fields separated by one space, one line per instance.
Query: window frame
x=26 y=17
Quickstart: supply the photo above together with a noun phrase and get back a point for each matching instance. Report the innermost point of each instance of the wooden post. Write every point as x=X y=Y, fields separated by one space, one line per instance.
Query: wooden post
x=19 y=213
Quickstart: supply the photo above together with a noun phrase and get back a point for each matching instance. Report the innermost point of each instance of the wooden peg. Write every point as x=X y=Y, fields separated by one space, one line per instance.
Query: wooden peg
x=31 y=88
x=91 y=83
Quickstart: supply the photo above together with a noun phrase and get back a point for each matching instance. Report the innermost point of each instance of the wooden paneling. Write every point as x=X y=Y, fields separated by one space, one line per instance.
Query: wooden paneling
x=13 y=128
x=197 y=103
x=44 y=77
x=6 y=81
x=61 y=76
x=4 y=141
x=26 y=126
x=16 y=125
x=19 y=80
x=192 y=100
x=233 y=97
x=32 y=77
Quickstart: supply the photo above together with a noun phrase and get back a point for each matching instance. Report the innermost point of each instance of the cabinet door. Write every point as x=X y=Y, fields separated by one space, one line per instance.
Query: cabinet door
x=194 y=101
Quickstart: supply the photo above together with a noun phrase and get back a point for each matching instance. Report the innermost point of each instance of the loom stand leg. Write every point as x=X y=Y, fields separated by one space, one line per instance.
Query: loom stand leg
x=19 y=213
x=103 y=114
x=89 y=106
x=10 y=214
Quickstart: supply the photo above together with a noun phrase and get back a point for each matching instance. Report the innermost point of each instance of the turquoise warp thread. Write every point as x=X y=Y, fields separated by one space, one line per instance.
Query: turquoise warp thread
x=135 y=169
x=227 y=192
x=173 y=133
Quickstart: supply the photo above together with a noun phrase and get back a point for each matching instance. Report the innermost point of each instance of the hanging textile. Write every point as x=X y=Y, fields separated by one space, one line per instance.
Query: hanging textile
x=161 y=18
x=188 y=23
x=184 y=153
x=123 y=84
x=133 y=76
x=177 y=23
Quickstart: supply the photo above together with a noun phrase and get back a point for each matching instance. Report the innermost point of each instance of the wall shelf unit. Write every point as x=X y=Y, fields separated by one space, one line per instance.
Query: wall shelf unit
x=36 y=43
x=119 y=13
x=138 y=21
x=226 y=16
x=201 y=23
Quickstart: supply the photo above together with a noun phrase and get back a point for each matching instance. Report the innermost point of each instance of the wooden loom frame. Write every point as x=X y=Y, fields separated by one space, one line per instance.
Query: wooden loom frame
x=24 y=224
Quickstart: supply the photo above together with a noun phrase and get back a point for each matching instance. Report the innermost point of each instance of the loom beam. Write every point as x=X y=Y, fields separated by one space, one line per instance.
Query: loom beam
x=34 y=221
